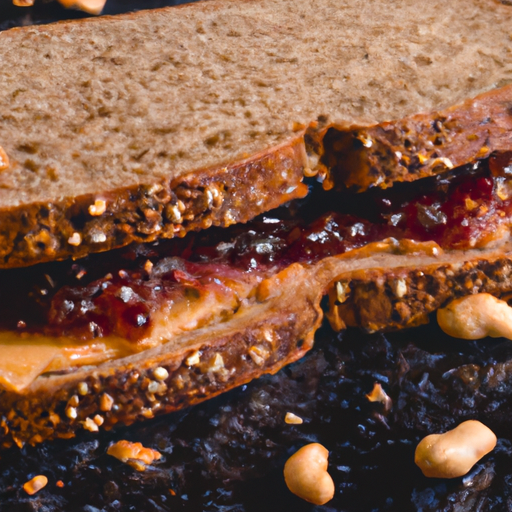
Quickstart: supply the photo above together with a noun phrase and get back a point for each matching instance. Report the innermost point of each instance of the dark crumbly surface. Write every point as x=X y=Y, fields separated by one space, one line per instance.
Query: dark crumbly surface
x=228 y=454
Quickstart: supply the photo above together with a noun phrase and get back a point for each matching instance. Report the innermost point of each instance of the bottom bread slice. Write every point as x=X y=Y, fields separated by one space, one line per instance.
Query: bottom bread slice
x=273 y=328
x=263 y=336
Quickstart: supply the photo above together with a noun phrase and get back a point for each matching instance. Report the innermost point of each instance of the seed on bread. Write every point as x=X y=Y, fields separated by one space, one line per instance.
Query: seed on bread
x=98 y=208
x=259 y=354
x=106 y=402
x=99 y=420
x=90 y=425
x=193 y=358
x=75 y=239
x=97 y=236
x=342 y=291
x=400 y=288
x=71 y=413
x=160 y=373
x=83 y=388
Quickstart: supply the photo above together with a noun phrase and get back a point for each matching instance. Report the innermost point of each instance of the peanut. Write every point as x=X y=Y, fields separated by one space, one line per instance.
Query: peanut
x=305 y=474
x=133 y=454
x=476 y=316
x=455 y=452
x=90 y=6
x=35 y=485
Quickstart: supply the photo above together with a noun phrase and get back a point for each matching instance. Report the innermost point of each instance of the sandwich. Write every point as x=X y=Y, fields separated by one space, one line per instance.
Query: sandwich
x=145 y=267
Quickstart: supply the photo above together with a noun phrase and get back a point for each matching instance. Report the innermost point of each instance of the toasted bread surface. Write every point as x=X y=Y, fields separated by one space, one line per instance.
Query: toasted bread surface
x=274 y=330
x=397 y=298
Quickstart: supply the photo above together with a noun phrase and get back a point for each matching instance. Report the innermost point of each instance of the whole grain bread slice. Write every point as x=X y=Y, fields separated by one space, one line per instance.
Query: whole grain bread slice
x=273 y=328
x=151 y=124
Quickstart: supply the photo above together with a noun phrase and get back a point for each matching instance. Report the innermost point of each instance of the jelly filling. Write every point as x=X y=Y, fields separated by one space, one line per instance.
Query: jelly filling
x=116 y=293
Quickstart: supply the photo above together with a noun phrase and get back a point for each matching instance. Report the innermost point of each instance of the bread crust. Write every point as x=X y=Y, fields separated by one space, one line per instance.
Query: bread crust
x=403 y=150
x=273 y=328
x=417 y=146
x=403 y=297
x=119 y=105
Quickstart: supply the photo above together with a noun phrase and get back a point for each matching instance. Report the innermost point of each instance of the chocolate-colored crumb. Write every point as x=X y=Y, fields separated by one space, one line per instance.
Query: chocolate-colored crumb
x=228 y=454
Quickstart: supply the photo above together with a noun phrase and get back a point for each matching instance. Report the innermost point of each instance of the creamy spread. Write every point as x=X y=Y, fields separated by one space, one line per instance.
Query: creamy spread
x=60 y=316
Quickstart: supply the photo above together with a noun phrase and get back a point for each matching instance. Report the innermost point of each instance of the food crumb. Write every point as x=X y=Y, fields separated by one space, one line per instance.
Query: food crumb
x=293 y=419
x=35 y=485
x=133 y=454
x=379 y=395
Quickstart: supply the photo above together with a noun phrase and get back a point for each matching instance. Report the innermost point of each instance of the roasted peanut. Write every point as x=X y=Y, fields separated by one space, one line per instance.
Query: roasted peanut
x=133 y=454
x=305 y=474
x=455 y=452
x=476 y=316
x=90 y=6
x=293 y=419
x=35 y=485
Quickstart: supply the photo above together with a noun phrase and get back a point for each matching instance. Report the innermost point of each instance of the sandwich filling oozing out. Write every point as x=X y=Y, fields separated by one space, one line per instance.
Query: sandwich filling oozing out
x=58 y=316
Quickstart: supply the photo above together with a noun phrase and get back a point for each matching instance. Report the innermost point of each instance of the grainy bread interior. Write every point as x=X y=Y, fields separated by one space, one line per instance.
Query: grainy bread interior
x=121 y=104
x=110 y=102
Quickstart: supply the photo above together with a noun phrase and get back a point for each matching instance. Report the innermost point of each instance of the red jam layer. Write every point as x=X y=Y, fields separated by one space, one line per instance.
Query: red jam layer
x=117 y=293
x=469 y=210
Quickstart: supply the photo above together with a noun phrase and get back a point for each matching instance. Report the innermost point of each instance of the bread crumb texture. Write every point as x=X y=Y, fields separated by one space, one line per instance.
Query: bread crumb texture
x=105 y=103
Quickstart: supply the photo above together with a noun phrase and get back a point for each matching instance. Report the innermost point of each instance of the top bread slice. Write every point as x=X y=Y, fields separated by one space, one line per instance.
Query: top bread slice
x=151 y=124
